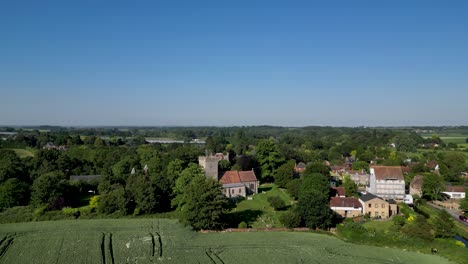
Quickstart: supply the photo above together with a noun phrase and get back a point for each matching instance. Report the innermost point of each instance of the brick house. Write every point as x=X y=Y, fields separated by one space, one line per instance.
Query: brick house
x=375 y=206
x=239 y=183
x=346 y=206
x=387 y=182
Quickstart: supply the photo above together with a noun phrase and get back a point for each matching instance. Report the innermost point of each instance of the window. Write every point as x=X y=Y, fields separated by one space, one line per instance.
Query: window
x=239 y=190
x=383 y=205
x=370 y=205
x=232 y=191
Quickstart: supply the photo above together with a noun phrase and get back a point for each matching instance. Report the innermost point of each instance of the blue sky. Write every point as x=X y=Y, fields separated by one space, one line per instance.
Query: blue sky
x=289 y=63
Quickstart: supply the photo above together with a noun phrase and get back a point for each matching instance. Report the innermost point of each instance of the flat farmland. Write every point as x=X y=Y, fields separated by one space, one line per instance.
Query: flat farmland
x=166 y=241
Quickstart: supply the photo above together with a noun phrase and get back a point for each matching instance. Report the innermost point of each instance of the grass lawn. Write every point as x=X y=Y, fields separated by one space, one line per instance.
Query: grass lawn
x=257 y=212
x=381 y=225
x=23 y=153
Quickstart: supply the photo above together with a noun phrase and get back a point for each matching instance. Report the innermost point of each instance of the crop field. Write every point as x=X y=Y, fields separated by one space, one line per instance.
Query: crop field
x=165 y=241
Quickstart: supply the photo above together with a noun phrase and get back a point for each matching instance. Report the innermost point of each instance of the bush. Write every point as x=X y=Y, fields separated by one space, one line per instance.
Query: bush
x=242 y=225
x=276 y=202
x=398 y=220
x=68 y=211
x=290 y=219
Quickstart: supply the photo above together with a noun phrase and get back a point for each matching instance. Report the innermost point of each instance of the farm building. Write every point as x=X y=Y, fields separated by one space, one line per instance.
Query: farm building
x=377 y=207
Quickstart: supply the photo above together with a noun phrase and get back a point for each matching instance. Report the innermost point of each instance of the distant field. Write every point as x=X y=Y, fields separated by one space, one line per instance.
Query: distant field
x=165 y=241
x=22 y=153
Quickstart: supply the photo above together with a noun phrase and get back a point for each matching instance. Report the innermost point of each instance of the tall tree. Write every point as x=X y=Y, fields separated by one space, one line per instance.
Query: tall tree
x=285 y=173
x=268 y=157
x=351 y=188
x=202 y=204
x=432 y=187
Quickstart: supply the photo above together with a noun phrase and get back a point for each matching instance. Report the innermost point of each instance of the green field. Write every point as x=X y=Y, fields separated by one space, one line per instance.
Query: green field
x=166 y=241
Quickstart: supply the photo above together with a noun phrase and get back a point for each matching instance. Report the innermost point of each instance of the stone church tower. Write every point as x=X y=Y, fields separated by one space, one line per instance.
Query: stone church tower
x=210 y=165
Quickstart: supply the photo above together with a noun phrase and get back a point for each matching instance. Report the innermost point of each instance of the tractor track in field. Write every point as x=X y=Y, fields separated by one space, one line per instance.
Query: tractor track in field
x=107 y=251
x=213 y=256
x=5 y=244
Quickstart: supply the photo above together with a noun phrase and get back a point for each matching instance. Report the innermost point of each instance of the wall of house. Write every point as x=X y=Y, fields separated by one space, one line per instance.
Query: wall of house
x=376 y=208
x=455 y=195
x=415 y=191
x=347 y=211
x=390 y=189
x=235 y=191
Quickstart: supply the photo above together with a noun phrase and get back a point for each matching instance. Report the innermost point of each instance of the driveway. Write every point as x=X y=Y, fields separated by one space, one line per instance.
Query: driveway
x=454 y=213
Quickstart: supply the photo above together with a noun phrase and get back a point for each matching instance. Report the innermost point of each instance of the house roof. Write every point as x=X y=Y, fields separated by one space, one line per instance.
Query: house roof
x=455 y=189
x=432 y=164
x=388 y=172
x=391 y=201
x=230 y=177
x=345 y=202
x=339 y=190
x=416 y=182
x=368 y=196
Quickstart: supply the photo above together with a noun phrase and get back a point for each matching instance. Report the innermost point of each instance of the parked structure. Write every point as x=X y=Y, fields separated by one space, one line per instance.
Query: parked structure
x=387 y=182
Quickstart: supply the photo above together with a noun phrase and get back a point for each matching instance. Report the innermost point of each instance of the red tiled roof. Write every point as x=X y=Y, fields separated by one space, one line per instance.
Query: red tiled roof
x=345 y=202
x=388 y=172
x=455 y=188
x=339 y=190
x=237 y=177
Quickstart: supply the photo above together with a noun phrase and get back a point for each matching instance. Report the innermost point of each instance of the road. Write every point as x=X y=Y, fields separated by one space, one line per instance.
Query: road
x=454 y=213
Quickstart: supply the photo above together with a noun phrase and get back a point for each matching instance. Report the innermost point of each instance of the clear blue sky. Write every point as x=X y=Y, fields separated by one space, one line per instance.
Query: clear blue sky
x=290 y=63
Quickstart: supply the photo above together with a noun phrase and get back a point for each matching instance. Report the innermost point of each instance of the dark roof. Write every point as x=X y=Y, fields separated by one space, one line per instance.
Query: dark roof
x=368 y=196
x=230 y=177
x=388 y=172
x=391 y=201
x=455 y=189
x=345 y=202
x=84 y=177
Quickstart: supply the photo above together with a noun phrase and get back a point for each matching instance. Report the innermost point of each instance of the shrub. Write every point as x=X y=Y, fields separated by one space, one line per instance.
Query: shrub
x=290 y=219
x=68 y=211
x=242 y=225
x=276 y=202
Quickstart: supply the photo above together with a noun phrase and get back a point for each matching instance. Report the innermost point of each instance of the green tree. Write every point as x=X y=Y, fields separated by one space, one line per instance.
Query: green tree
x=351 y=188
x=13 y=192
x=276 y=202
x=360 y=165
x=202 y=204
x=313 y=202
x=116 y=200
x=444 y=225
x=224 y=165
x=285 y=174
x=174 y=169
x=48 y=189
x=317 y=167
x=268 y=157
x=290 y=219
x=10 y=165
x=464 y=204
x=144 y=192
x=432 y=187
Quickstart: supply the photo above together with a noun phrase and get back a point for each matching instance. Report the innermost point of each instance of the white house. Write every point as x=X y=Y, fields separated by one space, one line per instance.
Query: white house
x=408 y=199
x=387 y=182
x=455 y=192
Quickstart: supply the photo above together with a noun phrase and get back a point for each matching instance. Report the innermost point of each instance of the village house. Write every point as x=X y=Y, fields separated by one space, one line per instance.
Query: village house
x=239 y=183
x=346 y=206
x=387 y=182
x=377 y=207
x=416 y=185
x=455 y=192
